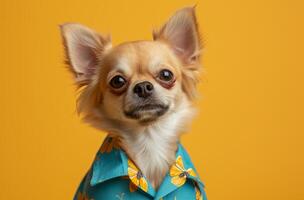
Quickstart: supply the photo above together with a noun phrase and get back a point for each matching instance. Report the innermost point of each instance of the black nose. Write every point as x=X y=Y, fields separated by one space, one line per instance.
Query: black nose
x=143 y=89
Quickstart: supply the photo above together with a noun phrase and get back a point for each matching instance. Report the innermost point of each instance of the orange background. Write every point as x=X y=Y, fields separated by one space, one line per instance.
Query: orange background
x=247 y=141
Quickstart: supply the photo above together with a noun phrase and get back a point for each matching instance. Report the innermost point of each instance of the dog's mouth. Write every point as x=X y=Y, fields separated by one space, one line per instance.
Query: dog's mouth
x=146 y=113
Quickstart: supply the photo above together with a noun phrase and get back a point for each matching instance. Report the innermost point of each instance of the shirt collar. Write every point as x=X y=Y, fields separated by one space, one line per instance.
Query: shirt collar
x=112 y=162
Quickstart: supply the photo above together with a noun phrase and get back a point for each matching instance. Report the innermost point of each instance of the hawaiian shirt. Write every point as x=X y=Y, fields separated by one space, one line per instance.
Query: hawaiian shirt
x=113 y=176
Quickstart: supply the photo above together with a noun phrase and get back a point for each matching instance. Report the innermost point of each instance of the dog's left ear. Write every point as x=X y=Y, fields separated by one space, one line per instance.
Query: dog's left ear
x=182 y=35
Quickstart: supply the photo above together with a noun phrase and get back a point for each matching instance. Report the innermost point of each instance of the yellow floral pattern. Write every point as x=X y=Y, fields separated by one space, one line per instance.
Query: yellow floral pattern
x=136 y=177
x=109 y=144
x=198 y=195
x=134 y=183
x=178 y=172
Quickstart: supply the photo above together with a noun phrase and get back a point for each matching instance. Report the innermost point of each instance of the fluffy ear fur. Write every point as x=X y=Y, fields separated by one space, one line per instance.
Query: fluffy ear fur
x=181 y=33
x=83 y=48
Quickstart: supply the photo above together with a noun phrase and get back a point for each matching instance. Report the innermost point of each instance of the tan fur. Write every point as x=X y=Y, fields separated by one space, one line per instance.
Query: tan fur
x=150 y=145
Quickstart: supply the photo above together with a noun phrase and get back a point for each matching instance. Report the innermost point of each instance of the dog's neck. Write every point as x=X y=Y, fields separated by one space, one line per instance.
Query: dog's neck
x=153 y=150
x=153 y=147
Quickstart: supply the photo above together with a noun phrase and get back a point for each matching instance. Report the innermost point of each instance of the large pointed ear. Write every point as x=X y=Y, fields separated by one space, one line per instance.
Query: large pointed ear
x=181 y=33
x=83 y=48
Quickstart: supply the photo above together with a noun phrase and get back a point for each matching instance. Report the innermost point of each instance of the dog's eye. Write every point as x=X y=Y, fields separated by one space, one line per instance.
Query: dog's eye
x=117 y=82
x=165 y=75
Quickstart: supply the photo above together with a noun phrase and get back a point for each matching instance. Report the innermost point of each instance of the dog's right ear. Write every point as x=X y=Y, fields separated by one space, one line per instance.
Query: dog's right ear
x=84 y=49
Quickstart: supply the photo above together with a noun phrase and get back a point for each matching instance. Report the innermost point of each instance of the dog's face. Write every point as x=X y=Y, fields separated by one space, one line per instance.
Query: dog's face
x=140 y=81
x=135 y=83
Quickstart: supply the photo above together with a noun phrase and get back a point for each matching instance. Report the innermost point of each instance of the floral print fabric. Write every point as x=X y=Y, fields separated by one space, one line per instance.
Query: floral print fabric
x=113 y=176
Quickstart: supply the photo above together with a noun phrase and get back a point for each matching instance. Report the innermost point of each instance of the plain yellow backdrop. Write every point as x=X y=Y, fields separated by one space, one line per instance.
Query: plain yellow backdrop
x=247 y=140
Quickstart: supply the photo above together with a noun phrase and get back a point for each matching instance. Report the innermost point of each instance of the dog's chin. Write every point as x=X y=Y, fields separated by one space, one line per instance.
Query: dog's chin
x=146 y=114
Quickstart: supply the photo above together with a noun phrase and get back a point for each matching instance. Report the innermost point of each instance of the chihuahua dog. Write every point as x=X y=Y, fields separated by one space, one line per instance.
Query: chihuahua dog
x=140 y=92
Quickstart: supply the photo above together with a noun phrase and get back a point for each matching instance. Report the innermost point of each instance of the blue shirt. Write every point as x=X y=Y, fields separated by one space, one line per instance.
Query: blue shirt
x=113 y=176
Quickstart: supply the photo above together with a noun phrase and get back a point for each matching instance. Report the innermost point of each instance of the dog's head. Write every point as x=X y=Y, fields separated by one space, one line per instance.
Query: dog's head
x=135 y=84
